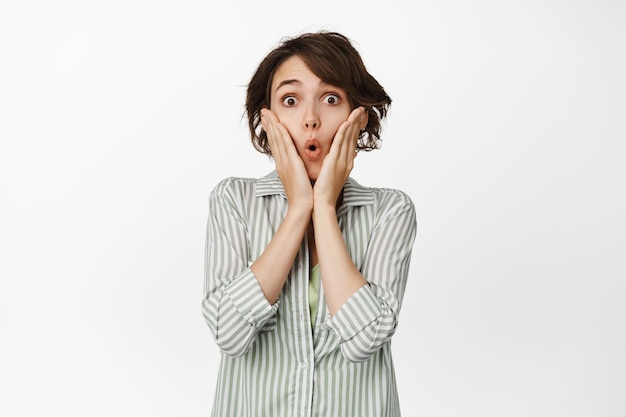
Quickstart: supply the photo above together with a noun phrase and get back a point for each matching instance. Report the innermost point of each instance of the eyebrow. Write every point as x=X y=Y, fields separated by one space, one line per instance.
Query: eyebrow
x=288 y=82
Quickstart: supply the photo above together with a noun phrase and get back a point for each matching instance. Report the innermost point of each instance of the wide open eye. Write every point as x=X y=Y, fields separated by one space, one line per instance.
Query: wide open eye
x=332 y=99
x=290 y=101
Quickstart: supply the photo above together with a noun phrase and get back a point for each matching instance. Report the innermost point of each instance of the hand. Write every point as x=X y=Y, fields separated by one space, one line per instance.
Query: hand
x=339 y=162
x=289 y=165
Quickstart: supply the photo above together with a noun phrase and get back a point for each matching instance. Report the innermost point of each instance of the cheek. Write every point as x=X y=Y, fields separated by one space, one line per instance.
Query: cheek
x=335 y=119
x=279 y=112
x=287 y=119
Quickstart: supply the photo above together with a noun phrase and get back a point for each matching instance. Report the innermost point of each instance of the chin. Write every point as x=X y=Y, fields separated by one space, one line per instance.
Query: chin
x=313 y=171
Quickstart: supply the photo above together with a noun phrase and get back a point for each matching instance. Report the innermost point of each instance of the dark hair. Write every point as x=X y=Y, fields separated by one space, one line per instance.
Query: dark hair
x=332 y=58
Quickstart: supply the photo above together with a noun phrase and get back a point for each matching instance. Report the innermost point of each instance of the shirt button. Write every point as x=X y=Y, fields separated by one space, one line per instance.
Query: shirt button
x=302 y=316
x=304 y=365
x=322 y=327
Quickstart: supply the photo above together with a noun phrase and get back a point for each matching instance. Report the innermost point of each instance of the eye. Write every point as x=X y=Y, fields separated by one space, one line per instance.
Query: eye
x=332 y=99
x=289 y=101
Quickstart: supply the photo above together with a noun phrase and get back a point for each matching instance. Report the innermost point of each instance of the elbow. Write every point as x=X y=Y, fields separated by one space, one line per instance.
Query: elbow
x=355 y=356
x=234 y=343
x=232 y=340
x=231 y=347
x=355 y=353
x=366 y=343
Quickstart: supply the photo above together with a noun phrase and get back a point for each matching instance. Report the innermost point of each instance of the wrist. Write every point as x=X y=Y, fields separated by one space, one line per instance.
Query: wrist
x=324 y=210
x=299 y=212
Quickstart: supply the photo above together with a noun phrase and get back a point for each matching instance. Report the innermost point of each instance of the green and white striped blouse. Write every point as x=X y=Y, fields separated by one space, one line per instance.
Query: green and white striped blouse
x=273 y=364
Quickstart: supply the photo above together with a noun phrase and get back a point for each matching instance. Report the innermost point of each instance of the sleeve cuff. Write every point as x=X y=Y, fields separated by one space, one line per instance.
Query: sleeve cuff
x=356 y=313
x=249 y=300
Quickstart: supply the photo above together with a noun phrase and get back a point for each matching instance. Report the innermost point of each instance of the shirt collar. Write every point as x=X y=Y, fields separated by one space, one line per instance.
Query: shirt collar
x=270 y=185
x=354 y=194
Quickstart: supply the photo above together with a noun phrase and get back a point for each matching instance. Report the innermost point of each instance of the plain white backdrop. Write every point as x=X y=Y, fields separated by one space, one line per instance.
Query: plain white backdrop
x=507 y=129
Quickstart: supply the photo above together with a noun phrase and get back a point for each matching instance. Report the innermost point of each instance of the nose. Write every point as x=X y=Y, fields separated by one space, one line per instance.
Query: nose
x=311 y=118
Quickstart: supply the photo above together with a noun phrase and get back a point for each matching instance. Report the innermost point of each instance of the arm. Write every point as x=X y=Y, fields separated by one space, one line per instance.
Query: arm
x=241 y=296
x=368 y=319
x=233 y=305
x=272 y=267
x=334 y=260
x=332 y=253
x=364 y=304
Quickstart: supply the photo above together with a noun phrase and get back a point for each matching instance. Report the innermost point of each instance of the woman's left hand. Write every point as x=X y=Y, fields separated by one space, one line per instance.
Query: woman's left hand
x=339 y=162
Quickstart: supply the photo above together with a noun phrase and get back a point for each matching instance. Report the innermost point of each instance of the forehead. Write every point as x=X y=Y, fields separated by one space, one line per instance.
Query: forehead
x=294 y=71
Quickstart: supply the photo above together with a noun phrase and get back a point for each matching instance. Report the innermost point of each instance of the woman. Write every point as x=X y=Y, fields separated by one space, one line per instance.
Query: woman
x=305 y=268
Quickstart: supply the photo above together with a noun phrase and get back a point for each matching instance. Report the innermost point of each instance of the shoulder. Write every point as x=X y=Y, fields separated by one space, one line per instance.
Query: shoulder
x=383 y=204
x=395 y=204
x=240 y=189
x=234 y=191
x=381 y=197
x=392 y=196
x=230 y=184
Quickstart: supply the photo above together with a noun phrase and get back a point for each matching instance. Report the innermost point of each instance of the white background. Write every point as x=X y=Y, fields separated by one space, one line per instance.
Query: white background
x=507 y=129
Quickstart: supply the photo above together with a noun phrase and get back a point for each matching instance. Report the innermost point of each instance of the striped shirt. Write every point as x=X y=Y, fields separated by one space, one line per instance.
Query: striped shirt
x=273 y=364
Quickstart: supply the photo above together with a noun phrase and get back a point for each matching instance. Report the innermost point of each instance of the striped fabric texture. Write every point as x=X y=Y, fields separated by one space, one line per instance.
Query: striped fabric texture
x=273 y=363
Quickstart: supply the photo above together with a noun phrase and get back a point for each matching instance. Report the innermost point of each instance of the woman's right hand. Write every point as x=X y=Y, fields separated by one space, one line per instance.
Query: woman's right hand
x=289 y=165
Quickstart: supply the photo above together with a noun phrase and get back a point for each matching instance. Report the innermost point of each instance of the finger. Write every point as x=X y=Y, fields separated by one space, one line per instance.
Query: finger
x=357 y=115
x=358 y=120
x=281 y=144
x=277 y=134
x=354 y=122
x=348 y=133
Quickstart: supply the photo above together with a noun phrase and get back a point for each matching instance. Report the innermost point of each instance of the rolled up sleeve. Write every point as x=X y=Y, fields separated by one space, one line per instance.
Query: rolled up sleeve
x=233 y=305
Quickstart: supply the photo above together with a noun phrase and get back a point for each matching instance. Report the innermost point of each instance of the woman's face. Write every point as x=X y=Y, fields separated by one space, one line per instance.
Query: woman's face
x=310 y=109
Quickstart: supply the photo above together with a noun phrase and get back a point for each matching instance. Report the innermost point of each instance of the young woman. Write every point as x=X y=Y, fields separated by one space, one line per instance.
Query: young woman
x=305 y=268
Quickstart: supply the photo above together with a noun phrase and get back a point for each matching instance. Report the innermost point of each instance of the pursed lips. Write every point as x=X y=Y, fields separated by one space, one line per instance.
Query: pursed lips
x=312 y=149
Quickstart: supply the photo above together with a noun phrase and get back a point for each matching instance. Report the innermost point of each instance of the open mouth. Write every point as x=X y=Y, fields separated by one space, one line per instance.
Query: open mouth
x=312 y=149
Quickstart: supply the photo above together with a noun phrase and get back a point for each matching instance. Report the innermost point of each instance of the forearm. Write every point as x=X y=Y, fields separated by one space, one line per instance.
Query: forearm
x=272 y=267
x=340 y=277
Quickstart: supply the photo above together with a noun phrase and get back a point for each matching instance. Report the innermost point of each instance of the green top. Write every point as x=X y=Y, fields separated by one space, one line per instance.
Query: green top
x=314 y=286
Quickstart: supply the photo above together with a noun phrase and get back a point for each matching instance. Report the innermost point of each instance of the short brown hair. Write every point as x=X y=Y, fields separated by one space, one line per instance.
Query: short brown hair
x=332 y=58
